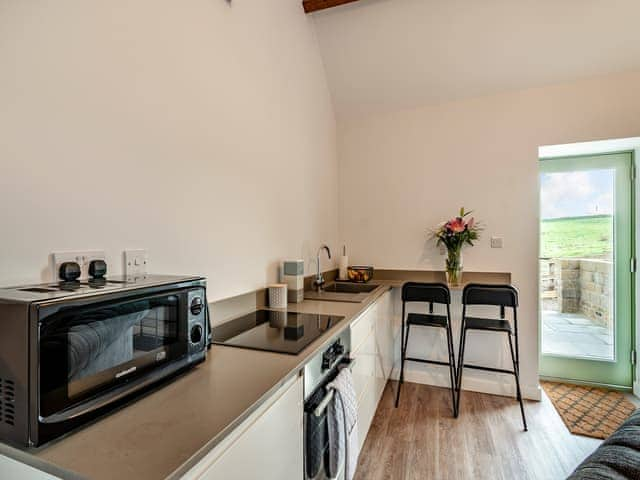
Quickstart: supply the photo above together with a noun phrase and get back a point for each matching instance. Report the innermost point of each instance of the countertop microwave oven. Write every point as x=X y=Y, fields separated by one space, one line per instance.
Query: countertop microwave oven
x=72 y=351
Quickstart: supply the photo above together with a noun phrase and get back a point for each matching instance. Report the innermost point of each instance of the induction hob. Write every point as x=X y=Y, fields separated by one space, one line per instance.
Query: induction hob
x=274 y=331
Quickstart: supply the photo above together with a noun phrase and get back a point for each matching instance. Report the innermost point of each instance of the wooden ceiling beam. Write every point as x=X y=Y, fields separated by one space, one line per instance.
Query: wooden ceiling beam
x=315 y=5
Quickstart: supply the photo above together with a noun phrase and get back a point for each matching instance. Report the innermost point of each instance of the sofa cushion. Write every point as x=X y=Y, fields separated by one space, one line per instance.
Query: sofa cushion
x=617 y=458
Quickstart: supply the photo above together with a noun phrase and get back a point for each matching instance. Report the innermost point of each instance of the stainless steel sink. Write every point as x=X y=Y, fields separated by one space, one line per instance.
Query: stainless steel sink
x=342 y=292
x=342 y=287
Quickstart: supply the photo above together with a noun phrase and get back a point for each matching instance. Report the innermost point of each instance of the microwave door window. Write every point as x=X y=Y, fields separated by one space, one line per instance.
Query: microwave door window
x=83 y=352
x=100 y=344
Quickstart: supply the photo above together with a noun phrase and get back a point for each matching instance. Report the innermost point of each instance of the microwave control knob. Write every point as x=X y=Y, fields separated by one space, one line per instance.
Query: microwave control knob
x=196 y=334
x=196 y=306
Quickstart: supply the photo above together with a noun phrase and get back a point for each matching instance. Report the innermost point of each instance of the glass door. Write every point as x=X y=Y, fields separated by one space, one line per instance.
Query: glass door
x=86 y=350
x=586 y=251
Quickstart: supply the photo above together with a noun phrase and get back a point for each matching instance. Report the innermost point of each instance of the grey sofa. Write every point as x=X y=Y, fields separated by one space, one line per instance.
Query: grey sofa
x=617 y=458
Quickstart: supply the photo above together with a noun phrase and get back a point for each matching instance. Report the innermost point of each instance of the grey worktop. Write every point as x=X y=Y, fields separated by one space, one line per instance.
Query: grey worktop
x=165 y=433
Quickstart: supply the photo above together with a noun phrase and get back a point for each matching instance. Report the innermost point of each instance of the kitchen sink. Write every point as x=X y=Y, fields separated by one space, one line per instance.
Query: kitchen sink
x=342 y=287
x=342 y=292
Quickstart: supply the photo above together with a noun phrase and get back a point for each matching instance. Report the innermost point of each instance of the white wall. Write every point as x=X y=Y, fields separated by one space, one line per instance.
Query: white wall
x=384 y=55
x=402 y=173
x=199 y=130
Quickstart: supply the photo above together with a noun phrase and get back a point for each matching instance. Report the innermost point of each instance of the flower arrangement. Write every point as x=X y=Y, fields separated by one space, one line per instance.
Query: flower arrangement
x=455 y=234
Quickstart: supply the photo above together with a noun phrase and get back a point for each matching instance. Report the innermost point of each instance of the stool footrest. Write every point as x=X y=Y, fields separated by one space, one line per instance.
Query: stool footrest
x=489 y=369
x=422 y=360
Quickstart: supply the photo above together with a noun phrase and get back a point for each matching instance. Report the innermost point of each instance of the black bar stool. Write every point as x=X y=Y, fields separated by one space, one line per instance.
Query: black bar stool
x=427 y=293
x=503 y=296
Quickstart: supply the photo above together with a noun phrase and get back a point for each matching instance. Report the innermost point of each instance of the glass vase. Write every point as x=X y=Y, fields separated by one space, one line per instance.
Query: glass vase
x=453 y=269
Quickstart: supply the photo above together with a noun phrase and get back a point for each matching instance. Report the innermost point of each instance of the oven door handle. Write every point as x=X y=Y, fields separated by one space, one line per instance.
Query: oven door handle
x=322 y=406
x=112 y=396
x=324 y=403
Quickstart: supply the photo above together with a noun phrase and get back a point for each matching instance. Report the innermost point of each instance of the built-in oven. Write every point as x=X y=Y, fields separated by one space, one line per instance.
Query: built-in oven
x=319 y=372
x=85 y=353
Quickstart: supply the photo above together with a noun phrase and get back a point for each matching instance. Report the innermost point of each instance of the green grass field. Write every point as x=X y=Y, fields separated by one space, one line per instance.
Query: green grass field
x=576 y=236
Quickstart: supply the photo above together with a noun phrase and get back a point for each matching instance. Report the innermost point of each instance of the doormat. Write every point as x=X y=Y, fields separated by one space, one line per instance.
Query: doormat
x=593 y=412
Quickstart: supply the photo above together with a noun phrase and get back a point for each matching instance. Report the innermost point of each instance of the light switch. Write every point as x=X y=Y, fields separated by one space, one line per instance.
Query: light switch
x=135 y=263
x=496 y=242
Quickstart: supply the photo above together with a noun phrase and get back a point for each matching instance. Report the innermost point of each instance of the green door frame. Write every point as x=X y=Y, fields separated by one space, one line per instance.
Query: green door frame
x=620 y=372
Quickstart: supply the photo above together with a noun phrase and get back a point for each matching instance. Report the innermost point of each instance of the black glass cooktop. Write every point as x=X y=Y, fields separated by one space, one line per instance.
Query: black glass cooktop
x=274 y=331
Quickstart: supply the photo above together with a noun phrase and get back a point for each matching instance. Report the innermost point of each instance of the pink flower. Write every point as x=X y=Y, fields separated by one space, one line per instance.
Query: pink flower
x=471 y=223
x=457 y=225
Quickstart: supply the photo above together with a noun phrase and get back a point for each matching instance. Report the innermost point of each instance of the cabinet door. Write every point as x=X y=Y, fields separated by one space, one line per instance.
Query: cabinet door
x=380 y=372
x=364 y=368
x=374 y=354
x=395 y=311
x=384 y=335
x=388 y=334
x=10 y=468
x=362 y=326
x=367 y=406
x=270 y=447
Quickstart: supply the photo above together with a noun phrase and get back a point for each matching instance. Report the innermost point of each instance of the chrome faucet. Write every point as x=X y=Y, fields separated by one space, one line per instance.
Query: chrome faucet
x=318 y=283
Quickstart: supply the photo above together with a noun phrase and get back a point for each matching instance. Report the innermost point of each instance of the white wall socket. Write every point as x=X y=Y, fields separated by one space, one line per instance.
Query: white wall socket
x=135 y=263
x=497 y=242
x=82 y=258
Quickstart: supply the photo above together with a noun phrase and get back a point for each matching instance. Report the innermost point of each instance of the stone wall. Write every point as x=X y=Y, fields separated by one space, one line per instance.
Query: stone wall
x=581 y=286
x=596 y=293
x=569 y=286
x=549 y=283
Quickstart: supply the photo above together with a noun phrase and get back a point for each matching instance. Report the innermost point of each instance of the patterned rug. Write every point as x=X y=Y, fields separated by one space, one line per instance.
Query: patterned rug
x=590 y=411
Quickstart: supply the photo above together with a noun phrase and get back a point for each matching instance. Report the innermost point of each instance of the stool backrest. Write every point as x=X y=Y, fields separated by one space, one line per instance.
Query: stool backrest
x=426 y=292
x=481 y=294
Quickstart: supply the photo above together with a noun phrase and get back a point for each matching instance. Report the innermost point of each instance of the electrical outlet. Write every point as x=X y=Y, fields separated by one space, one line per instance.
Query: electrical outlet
x=497 y=242
x=135 y=263
x=82 y=258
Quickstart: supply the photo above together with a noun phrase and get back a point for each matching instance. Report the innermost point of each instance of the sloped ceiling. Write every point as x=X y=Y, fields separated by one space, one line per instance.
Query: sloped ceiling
x=383 y=55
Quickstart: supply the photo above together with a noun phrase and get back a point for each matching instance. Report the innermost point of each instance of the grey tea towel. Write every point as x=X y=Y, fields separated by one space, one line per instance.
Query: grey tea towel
x=343 y=425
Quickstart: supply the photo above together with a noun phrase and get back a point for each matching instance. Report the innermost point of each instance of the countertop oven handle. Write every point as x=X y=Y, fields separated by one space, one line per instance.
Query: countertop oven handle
x=112 y=396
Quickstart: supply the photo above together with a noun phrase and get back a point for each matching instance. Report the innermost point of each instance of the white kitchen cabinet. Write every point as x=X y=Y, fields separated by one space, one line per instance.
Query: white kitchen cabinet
x=368 y=382
x=395 y=312
x=10 y=468
x=385 y=335
x=364 y=368
x=366 y=411
x=362 y=326
x=268 y=445
x=372 y=338
x=365 y=353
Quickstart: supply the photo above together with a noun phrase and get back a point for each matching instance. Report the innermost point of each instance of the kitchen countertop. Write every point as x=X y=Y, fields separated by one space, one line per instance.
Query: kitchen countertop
x=165 y=433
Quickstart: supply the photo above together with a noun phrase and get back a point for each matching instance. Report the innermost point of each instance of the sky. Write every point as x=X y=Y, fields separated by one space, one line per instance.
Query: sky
x=577 y=194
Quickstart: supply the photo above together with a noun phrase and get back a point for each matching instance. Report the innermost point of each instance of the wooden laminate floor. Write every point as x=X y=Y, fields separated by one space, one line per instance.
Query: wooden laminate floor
x=421 y=439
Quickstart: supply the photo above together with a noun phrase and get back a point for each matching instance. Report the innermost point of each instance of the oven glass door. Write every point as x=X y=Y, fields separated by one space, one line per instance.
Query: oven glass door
x=86 y=350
